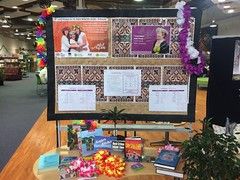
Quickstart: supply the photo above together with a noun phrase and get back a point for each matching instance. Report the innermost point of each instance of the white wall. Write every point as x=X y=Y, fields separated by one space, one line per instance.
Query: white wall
x=13 y=44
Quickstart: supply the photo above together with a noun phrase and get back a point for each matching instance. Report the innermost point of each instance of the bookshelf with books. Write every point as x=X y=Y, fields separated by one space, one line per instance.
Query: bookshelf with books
x=12 y=68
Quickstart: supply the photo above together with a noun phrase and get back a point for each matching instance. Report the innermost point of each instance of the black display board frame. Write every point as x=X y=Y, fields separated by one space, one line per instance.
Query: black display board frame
x=190 y=117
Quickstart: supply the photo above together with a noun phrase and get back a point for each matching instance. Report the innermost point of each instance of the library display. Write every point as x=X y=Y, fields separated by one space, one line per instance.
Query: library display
x=126 y=62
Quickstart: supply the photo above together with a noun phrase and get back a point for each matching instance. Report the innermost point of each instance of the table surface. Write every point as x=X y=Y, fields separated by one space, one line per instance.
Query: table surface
x=147 y=173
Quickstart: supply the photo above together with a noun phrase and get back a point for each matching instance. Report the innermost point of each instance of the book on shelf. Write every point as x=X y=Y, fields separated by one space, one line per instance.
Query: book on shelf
x=178 y=172
x=72 y=138
x=169 y=172
x=167 y=159
x=88 y=141
x=73 y=141
x=133 y=149
x=64 y=171
x=103 y=142
x=48 y=162
x=67 y=159
x=118 y=145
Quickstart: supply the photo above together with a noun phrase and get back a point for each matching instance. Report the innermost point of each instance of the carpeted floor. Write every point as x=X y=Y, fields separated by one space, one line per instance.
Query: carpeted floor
x=20 y=106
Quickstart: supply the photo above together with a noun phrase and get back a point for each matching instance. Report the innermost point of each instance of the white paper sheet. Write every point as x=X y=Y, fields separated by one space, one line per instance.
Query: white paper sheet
x=76 y=97
x=122 y=82
x=168 y=98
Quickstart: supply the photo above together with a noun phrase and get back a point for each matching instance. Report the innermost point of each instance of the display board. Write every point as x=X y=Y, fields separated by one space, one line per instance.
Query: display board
x=223 y=98
x=99 y=59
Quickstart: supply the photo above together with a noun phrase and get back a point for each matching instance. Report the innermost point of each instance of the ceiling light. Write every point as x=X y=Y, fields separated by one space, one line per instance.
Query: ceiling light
x=22 y=34
x=25 y=0
x=138 y=0
x=16 y=30
x=7 y=16
x=220 y=1
x=30 y=19
x=226 y=7
x=14 y=7
x=28 y=36
x=213 y=24
x=5 y=23
x=230 y=11
x=16 y=34
x=6 y=26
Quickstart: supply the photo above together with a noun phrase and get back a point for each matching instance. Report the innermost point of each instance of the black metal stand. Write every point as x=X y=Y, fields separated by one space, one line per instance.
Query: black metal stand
x=165 y=141
x=57 y=130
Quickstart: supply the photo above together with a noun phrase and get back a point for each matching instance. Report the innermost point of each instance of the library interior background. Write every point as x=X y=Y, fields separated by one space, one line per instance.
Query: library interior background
x=119 y=89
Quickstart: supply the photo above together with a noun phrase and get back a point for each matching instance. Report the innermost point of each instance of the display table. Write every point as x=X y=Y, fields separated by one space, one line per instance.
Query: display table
x=148 y=173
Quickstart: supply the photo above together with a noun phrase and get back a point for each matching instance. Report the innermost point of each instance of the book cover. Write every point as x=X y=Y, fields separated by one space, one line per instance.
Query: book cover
x=48 y=161
x=67 y=159
x=72 y=138
x=167 y=159
x=178 y=172
x=133 y=149
x=118 y=145
x=103 y=142
x=88 y=141
x=65 y=172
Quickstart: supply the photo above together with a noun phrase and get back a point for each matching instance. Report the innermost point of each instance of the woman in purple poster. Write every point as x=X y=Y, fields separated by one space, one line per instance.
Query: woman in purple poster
x=160 y=46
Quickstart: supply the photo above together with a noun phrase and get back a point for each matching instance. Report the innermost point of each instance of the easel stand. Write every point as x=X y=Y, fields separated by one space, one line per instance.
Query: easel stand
x=167 y=128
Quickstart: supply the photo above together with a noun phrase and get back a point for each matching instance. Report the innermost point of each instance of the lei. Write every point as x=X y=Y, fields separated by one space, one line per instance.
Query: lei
x=187 y=52
x=41 y=36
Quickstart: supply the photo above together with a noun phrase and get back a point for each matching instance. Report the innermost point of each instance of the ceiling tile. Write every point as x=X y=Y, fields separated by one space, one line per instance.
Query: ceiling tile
x=10 y=3
x=37 y=9
x=15 y=14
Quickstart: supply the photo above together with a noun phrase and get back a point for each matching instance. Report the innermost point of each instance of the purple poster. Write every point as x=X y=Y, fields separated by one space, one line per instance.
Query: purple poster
x=150 y=40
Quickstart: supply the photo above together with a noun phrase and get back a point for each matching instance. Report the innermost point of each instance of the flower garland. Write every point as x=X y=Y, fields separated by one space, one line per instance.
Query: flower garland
x=168 y=147
x=187 y=52
x=40 y=36
x=84 y=168
x=109 y=165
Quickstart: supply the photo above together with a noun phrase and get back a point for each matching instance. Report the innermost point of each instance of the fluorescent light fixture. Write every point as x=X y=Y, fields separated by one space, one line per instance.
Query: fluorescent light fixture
x=16 y=30
x=14 y=7
x=220 y=1
x=230 y=11
x=16 y=34
x=226 y=7
x=7 y=16
x=138 y=0
x=29 y=38
x=22 y=34
x=25 y=0
x=30 y=19
x=6 y=26
x=213 y=24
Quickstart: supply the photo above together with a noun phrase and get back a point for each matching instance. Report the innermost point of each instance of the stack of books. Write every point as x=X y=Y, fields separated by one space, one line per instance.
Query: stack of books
x=167 y=163
x=48 y=162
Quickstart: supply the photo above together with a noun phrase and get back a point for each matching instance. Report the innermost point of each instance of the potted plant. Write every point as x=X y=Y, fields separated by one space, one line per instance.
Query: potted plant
x=211 y=156
x=115 y=115
x=1 y=77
